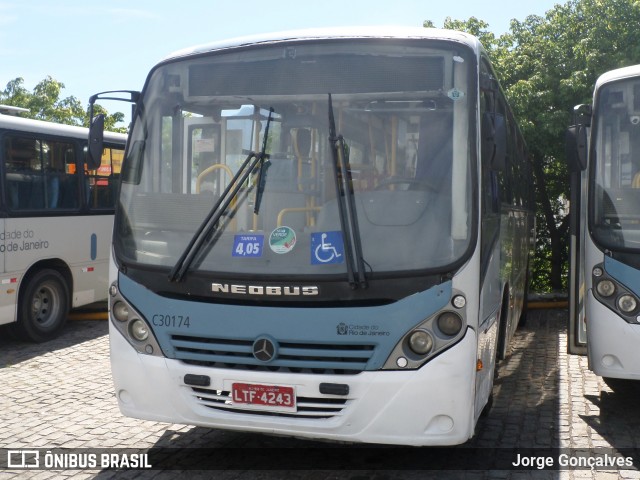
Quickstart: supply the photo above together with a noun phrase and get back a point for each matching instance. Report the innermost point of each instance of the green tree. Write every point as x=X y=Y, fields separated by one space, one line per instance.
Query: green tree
x=44 y=103
x=547 y=65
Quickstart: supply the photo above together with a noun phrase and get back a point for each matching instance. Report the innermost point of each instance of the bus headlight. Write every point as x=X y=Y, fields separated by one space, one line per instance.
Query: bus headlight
x=606 y=288
x=420 y=342
x=138 y=330
x=449 y=323
x=120 y=311
x=627 y=303
x=438 y=332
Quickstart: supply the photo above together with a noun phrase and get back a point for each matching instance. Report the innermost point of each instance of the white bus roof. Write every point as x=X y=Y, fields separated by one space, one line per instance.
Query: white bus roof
x=337 y=32
x=11 y=110
x=618 y=74
x=38 y=126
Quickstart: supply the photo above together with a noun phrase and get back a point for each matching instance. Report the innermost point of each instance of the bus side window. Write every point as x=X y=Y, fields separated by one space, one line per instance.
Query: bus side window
x=103 y=182
x=36 y=175
x=19 y=152
x=24 y=173
x=60 y=184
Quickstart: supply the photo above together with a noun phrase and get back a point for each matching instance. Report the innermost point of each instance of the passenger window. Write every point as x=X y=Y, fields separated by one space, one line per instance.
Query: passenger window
x=103 y=182
x=40 y=174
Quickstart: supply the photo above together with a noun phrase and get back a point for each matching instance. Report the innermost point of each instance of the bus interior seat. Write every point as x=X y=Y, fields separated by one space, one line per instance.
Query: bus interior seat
x=282 y=192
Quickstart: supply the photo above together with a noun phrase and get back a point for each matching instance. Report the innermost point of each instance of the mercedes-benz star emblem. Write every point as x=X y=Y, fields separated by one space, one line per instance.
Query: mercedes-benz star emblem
x=264 y=350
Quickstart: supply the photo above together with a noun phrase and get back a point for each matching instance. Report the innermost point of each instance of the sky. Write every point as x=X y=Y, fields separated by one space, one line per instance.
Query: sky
x=92 y=46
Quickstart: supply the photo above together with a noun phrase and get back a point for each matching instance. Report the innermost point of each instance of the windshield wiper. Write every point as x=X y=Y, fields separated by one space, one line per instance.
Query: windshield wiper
x=346 y=206
x=201 y=237
x=263 y=158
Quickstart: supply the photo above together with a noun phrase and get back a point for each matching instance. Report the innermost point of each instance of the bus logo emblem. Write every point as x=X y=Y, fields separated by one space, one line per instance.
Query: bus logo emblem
x=264 y=350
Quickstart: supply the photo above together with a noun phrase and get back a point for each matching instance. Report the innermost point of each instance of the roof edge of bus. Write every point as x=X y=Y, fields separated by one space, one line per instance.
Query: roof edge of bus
x=12 y=110
x=390 y=31
x=51 y=128
x=618 y=74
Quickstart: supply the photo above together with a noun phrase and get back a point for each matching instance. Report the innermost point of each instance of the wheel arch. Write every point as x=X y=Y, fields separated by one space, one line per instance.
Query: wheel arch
x=50 y=263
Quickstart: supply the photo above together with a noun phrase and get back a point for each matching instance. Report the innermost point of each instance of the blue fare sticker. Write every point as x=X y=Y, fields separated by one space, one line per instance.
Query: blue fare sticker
x=326 y=247
x=247 y=245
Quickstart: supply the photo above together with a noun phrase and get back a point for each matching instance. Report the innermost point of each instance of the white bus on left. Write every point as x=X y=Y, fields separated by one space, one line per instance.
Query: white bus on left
x=56 y=215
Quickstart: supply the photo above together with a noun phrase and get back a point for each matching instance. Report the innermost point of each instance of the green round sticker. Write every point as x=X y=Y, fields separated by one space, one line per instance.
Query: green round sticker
x=282 y=240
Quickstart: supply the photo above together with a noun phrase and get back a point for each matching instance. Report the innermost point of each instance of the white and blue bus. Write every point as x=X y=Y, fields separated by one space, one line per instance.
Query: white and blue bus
x=604 y=269
x=321 y=234
x=56 y=218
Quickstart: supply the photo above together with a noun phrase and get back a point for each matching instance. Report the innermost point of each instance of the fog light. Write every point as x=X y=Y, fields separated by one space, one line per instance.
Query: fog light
x=120 y=311
x=449 y=323
x=606 y=288
x=138 y=330
x=627 y=303
x=420 y=342
x=459 y=301
x=597 y=272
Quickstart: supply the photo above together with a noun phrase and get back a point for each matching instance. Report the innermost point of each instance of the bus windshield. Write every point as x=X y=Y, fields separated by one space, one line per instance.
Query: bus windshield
x=402 y=132
x=616 y=166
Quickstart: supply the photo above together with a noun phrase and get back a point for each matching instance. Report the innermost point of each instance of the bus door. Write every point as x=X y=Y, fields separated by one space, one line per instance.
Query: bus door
x=577 y=341
x=577 y=147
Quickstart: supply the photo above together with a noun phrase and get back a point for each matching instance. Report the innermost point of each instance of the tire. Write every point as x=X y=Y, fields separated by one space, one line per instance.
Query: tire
x=488 y=406
x=43 y=306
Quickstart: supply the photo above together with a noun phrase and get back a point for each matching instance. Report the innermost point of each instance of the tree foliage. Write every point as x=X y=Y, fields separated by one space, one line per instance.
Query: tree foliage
x=547 y=65
x=45 y=103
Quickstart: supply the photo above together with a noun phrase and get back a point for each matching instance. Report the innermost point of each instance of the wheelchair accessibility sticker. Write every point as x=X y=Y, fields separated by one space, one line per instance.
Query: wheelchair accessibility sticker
x=326 y=247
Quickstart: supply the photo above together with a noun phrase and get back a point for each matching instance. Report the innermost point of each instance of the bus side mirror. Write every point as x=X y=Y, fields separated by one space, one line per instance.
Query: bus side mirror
x=494 y=140
x=96 y=140
x=576 y=147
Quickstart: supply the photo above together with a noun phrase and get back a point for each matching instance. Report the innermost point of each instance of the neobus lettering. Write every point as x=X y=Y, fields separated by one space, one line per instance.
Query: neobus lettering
x=263 y=290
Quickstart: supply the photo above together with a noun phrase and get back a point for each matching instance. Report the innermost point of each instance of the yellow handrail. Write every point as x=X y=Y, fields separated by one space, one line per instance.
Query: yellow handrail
x=210 y=169
x=295 y=210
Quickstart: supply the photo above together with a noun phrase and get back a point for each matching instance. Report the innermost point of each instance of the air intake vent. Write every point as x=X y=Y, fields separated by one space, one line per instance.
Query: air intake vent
x=318 y=358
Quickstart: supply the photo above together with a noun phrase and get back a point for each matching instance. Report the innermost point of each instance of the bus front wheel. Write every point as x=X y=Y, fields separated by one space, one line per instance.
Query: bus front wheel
x=43 y=307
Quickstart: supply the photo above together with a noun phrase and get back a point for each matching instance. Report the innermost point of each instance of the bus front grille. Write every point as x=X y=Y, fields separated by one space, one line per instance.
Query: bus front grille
x=291 y=357
x=307 y=407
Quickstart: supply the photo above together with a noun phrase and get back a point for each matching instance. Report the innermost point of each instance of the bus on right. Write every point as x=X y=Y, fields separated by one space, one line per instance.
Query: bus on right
x=603 y=149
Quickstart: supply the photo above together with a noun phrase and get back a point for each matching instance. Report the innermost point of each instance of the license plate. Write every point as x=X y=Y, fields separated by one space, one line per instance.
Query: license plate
x=277 y=398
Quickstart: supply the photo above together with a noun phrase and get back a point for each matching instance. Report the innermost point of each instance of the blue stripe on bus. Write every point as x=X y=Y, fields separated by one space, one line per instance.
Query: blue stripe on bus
x=311 y=334
x=94 y=246
x=626 y=275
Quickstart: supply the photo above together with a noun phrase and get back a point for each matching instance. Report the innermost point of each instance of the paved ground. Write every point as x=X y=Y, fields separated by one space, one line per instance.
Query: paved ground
x=59 y=395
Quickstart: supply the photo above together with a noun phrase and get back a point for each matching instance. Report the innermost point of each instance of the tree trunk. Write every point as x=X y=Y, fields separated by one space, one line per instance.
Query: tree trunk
x=557 y=234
